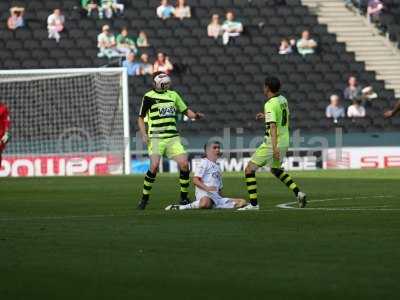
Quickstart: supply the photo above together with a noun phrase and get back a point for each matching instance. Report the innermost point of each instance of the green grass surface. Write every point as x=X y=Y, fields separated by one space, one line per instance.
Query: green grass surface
x=81 y=238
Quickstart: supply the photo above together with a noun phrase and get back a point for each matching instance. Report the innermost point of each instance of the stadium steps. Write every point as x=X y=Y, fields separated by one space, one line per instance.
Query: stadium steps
x=360 y=37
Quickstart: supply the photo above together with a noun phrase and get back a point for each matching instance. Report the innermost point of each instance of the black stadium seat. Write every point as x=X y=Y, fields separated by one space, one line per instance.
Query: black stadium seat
x=213 y=75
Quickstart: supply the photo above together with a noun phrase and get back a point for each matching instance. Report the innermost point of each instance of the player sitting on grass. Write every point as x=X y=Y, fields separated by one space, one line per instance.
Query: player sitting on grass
x=208 y=181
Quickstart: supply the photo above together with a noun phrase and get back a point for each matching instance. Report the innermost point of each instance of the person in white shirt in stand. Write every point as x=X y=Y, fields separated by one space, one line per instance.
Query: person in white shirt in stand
x=208 y=181
x=356 y=110
x=55 y=24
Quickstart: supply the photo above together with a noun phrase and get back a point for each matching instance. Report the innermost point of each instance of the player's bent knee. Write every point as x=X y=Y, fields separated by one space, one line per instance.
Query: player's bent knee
x=249 y=170
x=153 y=169
x=205 y=203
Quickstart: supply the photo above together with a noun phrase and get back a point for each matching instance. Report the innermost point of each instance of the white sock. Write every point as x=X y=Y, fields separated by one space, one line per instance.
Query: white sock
x=193 y=205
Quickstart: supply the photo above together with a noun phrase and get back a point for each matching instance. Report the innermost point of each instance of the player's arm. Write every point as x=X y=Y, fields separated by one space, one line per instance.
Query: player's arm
x=182 y=107
x=395 y=110
x=194 y=115
x=270 y=111
x=145 y=107
x=200 y=184
x=274 y=140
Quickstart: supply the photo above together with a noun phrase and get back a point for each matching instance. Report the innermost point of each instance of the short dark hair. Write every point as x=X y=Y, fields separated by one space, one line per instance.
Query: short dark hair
x=208 y=144
x=273 y=84
x=155 y=74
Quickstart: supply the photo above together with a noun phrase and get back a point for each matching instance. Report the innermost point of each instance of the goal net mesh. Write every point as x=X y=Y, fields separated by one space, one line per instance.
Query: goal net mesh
x=64 y=113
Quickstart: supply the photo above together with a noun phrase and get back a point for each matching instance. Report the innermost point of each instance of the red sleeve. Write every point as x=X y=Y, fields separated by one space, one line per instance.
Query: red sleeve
x=5 y=119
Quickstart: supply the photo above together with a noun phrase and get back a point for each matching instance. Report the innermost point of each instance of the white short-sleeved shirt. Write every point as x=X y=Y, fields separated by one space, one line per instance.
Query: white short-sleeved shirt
x=210 y=173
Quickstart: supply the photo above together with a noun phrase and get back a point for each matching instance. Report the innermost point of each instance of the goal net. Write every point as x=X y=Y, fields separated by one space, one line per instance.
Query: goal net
x=66 y=122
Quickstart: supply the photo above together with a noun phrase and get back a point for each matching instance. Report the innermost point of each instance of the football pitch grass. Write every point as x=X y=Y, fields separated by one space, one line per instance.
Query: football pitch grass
x=81 y=238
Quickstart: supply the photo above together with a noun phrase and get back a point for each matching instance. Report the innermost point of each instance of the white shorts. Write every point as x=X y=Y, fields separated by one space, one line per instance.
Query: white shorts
x=219 y=202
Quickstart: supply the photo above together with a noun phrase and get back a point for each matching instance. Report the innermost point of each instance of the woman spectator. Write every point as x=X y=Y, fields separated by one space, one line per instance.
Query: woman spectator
x=142 y=41
x=16 y=19
x=55 y=24
x=356 y=110
x=182 y=10
x=214 y=28
x=162 y=64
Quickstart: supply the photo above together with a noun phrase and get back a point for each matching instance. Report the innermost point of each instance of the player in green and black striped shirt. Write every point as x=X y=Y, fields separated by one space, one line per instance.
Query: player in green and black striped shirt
x=161 y=107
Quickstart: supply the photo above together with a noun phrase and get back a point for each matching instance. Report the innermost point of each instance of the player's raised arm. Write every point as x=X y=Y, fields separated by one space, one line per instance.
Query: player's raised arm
x=395 y=110
x=194 y=115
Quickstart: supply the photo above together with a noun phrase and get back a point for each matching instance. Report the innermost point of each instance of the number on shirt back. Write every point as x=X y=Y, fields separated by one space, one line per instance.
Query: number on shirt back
x=284 y=117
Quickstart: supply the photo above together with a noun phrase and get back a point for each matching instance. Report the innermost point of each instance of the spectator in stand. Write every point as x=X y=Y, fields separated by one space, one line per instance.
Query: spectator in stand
x=16 y=18
x=214 y=29
x=125 y=44
x=353 y=90
x=162 y=64
x=285 y=47
x=334 y=110
x=108 y=7
x=142 y=41
x=306 y=45
x=165 y=10
x=230 y=28
x=106 y=43
x=133 y=67
x=55 y=24
x=356 y=110
x=182 y=10
x=374 y=10
x=90 y=6
x=367 y=95
x=147 y=67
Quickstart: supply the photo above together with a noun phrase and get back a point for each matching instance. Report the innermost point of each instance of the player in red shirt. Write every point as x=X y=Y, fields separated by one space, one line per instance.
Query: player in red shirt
x=4 y=126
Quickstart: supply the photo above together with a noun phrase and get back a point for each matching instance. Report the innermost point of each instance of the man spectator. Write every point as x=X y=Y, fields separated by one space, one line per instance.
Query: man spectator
x=230 y=28
x=124 y=43
x=90 y=6
x=306 y=45
x=16 y=18
x=356 y=110
x=214 y=28
x=147 y=67
x=133 y=67
x=142 y=41
x=163 y=64
x=182 y=10
x=285 y=47
x=55 y=24
x=109 y=7
x=374 y=10
x=106 y=43
x=334 y=110
x=353 y=90
x=165 y=10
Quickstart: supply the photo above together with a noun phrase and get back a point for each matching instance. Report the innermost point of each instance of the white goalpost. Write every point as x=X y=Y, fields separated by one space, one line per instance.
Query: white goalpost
x=66 y=122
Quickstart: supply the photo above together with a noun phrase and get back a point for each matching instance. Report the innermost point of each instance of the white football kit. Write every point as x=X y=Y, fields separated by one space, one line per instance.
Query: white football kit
x=210 y=174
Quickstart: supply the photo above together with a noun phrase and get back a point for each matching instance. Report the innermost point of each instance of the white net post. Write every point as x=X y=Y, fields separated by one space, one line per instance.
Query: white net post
x=66 y=122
